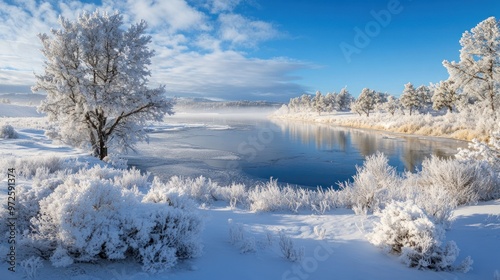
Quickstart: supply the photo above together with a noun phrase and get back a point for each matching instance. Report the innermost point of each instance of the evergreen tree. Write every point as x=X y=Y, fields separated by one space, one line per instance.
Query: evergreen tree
x=410 y=99
x=445 y=95
x=365 y=102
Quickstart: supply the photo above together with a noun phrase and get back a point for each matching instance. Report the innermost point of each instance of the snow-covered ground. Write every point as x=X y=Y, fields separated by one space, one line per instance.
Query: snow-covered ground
x=334 y=243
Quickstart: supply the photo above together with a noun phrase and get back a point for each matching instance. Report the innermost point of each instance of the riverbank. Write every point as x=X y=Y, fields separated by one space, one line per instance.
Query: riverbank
x=452 y=125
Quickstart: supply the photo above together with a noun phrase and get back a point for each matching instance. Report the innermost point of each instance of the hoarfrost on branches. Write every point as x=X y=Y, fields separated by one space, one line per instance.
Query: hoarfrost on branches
x=96 y=77
x=478 y=70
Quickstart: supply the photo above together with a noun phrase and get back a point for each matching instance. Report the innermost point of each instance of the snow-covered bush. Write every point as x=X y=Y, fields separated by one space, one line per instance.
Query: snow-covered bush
x=89 y=218
x=467 y=182
x=27 y=167
x=8 y=132
x=272 y=197
x=236 y=194
x=288 y=248
x=405 y=230
x=86 y=219
x=481 y=151
x=116 y=161
x=165 y=232
x=28 y=199
x=132 y=178
x=436 y=202
x=372 y=183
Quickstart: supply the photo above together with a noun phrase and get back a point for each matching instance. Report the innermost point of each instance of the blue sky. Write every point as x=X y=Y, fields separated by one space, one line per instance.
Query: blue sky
x=265 y=50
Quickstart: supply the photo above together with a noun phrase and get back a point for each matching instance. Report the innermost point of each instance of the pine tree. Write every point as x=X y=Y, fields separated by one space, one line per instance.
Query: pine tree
x=96 y=77
x=330 y=102
x=445 y=95
x=392 y=105
x=318 y=102
x=410 y=99
x=365 y=102
x=305 y=102
x=425 y=94
x=344 y=99
x=478 y=71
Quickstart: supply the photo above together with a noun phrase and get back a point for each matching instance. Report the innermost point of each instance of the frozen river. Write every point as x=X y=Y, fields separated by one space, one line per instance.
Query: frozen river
x=236 y=148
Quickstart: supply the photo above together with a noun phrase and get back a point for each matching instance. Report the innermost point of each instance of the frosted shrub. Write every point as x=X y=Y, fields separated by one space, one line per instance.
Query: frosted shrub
x=320 y=232
x=85 y=219
x=236 y=194
x=27 y=167
x=200 y=189
x=89 y=219
x=267 y=197
x=437 y=203
x=163 y=234
x=235 y=232
x=31 y=266
x=271 y=197
x=372 y=184
x=288 y=249
x=116 y=161
x=29 y=198
x=466 y=182
x=8 y=132
x=405 y=230
x=238 y=238
x=132 y=178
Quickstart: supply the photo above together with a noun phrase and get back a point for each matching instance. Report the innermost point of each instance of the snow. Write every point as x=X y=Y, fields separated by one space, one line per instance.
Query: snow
x=335 y=243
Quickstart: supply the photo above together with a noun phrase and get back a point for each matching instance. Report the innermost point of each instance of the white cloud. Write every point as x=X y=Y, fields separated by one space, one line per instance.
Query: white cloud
x=217 y=6
x=191 y=47
x=229 y=75
x=240 y=30
x=176 y=14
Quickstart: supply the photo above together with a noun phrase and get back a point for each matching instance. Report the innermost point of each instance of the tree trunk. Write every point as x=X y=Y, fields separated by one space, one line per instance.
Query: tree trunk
x=93 y=142
x=103 y=150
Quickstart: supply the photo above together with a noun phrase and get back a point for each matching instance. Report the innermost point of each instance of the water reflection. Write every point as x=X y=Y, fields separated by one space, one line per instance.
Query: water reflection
x=405 y=152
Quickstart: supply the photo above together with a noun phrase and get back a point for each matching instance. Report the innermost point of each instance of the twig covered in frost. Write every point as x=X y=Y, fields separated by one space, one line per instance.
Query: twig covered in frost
x=237 y=238
x=31 y=266
x=288 y=249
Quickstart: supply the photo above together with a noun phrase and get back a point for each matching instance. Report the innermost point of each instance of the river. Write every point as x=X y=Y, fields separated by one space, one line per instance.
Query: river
x=251 y=148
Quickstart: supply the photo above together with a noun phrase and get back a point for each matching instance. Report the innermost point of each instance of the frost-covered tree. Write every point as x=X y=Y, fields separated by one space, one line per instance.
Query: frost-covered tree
x=305 y=102
x=96 y=75
x=294 y=104
x=318 y=102
x=366 y=101
x=478 y=71
x=392 y=105
x=344 y=99
x=425 y=94
x=410 y=99
x=445 y=95
x=330 y=102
